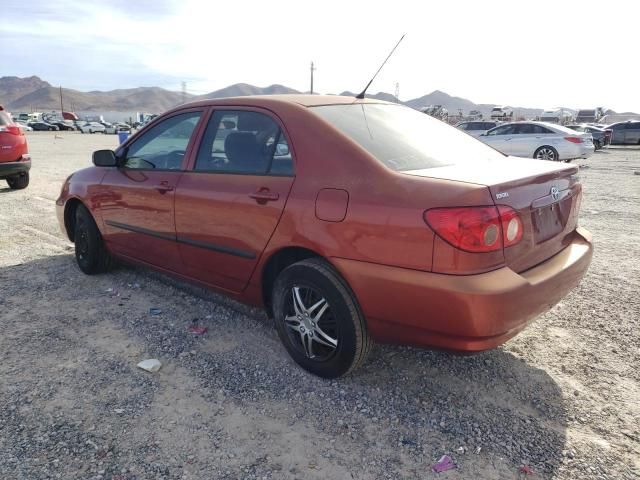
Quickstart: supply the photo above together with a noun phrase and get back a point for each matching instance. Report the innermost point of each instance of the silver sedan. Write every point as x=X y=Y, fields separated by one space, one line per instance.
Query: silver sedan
x=540 y=140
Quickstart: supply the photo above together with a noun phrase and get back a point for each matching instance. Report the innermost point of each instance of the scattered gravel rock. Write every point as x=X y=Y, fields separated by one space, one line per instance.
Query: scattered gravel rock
x=232 y=405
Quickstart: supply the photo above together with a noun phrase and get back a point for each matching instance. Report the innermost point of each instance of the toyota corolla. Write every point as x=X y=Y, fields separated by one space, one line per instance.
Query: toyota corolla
x=350 y=221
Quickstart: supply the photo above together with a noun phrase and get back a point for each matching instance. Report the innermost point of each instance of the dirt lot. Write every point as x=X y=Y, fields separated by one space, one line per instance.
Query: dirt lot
x=562 y=398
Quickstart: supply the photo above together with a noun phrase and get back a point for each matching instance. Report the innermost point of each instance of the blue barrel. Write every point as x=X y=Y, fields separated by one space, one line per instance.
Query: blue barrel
x=122 y=136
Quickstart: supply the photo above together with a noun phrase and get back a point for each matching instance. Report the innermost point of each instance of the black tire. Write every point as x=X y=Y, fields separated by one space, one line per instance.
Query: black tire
x=597 y=144
x=90 y=131
x=341 y=321
x=91 y=254
x=18 y=182
x=546 y=152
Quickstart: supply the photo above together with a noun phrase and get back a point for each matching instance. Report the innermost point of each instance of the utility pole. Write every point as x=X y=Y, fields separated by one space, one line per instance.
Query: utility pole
x=61 y=107
x=184 y=92
x=312 y=70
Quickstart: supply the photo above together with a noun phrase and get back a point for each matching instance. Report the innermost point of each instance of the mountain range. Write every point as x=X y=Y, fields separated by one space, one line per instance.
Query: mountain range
x=34 y=94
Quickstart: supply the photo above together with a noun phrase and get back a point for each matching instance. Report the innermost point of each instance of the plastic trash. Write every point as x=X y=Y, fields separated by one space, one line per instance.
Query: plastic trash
x=150 y=365
x=197 y=329
x=525 y=470
x=155 y=311
x=445 y=463
x=122 y=137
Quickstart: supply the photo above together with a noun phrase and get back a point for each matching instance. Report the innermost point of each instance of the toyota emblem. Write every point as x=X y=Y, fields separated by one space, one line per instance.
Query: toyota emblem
x=555 y=193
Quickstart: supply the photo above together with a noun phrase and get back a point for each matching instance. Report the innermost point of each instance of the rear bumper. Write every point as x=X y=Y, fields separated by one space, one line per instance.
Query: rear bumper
x=8 y=169
x=467 y=313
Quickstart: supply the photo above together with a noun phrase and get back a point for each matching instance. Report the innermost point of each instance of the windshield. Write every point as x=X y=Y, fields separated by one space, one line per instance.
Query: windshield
x=403 y=138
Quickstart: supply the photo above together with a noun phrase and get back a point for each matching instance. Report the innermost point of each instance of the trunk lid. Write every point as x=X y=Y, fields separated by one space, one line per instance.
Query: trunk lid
x=546 y=196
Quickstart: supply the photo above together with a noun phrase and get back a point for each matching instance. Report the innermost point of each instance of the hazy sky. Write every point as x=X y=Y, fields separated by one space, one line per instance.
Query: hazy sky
x=537 y=54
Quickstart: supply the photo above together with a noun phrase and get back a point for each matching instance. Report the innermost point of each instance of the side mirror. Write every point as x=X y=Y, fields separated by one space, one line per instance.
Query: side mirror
x=104 y=158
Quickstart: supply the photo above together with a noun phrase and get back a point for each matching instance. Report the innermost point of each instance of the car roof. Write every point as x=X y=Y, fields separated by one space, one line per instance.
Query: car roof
x=270 y=100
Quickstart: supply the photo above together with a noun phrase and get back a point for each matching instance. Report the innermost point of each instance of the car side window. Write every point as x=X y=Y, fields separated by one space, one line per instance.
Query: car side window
x=464 y=126
x=523 y=129
x=504 y=130
x=244 y=142
x=164 y=145
x=633 y=126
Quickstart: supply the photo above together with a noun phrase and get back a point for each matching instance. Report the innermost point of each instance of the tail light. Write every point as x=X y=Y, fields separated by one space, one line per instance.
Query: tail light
x=574 y=139
x=476 y=229
x=12 y=129
x=512 y=228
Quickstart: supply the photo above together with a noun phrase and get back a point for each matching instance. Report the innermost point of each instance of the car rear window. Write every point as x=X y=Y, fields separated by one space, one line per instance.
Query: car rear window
x=402 y=138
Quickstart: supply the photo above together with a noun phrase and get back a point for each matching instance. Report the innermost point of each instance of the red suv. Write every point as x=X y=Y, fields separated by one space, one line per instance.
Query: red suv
x=14 y=158
x=350 y=221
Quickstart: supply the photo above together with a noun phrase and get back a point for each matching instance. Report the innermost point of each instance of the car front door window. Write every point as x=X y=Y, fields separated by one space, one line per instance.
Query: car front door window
x=163 y=147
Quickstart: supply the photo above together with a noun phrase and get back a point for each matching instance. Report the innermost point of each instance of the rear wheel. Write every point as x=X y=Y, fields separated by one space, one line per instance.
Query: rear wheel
x=546 y=153
x=318 y=319
x=91 y=254
x=18 y=182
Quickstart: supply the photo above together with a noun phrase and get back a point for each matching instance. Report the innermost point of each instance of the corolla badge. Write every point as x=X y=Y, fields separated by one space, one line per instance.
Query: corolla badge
x=555 y=193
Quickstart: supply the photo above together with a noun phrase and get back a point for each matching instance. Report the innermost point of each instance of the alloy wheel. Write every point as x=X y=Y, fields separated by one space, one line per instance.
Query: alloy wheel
x=546 y=154
x=310 y=323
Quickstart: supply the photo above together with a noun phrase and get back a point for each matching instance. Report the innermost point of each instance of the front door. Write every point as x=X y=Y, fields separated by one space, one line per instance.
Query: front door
x=500 y=139
x=137 y=198
x=229 y=204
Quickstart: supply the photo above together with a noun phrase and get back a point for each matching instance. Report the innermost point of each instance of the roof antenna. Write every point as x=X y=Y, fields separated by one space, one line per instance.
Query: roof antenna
x=361 y=94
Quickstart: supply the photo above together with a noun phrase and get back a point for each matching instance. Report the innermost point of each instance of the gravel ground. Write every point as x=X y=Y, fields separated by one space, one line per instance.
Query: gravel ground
x=562 y=398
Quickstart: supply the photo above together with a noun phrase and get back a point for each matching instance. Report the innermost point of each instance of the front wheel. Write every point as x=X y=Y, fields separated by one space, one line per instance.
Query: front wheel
x=546 y=153
x=91 y=254
x=18 y=182
x=597 y=145
x=318 y=319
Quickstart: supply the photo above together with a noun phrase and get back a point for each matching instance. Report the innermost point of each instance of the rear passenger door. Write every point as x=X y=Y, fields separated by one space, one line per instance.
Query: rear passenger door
x=632 y=133
x=230 y=200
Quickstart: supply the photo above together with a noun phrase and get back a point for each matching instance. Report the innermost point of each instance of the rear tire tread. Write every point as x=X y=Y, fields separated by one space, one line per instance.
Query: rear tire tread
x=19 y=181
x=103 y=261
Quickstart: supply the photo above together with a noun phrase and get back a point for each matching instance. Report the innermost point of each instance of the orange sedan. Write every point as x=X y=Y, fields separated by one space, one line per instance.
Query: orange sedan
x=351 y=221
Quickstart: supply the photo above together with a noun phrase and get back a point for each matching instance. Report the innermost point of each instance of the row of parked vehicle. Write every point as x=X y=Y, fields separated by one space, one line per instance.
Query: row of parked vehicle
x=84 y=127
x=549 y=141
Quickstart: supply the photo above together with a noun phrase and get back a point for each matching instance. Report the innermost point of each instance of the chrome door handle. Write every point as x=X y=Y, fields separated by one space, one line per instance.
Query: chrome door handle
x=264 y=196
x=164 y=187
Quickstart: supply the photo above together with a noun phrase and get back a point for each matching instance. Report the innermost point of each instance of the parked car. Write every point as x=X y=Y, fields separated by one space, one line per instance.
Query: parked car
x=64 y=126
x=540 y=140
x=601 y=137
x=15 y=162
x=117 y=127
x=92 y=127
x=625 y=133
x=24 y=127
x=43 y=126
x=476 y=128
x=350 y=221
x=501 y=113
